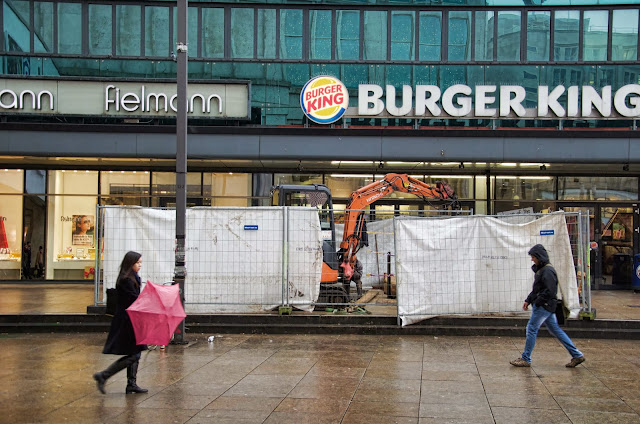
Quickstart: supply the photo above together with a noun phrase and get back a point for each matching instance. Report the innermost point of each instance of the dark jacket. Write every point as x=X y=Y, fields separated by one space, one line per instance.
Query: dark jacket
x=357 y=271
x=121 y=339
x=545 y=282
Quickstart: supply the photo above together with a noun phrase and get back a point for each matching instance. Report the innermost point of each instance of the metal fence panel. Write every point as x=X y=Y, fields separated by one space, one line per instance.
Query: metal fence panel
x=479 y=264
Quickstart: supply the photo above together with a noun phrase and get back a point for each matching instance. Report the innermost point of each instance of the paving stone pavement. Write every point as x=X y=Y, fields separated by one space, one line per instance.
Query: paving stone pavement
x=46 y=378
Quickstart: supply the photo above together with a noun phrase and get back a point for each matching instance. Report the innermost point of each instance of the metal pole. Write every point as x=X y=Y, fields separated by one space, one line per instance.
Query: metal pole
x=181 y=159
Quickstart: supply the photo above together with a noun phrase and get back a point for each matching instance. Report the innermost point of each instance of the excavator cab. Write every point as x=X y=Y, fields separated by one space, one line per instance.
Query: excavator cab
x=316 y=196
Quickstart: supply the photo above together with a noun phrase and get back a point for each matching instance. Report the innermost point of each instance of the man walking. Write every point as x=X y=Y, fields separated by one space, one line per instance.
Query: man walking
x=543 y=302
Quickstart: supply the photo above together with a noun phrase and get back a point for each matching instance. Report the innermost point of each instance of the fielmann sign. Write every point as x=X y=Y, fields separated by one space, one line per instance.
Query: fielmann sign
x=325 y=99
x=218 y=100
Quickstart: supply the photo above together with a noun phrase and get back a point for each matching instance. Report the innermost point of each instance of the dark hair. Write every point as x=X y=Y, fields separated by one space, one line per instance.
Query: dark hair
x=126 y=267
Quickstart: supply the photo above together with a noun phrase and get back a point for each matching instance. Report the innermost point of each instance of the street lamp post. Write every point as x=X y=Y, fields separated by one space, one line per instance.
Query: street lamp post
x=181 y=159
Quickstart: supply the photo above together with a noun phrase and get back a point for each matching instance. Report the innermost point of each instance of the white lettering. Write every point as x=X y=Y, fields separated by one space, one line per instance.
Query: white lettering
x=482 y=100
x=370 y=94
x=507 y=104
x=423 y=103
x=572 y=101
x=407 y=95
x=157 y=97
x=548 y=101
x=211 y=97
x=107 y=98
x=134 y=102
x=620 y=100
x=460 y=93
x=591 y=98
x=14 y=99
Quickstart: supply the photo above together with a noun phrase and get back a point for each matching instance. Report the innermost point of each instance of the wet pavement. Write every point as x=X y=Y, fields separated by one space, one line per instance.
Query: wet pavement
x=241 y=378
x=321 y=379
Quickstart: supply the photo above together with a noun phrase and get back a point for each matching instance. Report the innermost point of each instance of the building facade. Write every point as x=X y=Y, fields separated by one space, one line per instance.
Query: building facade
x=518 y=104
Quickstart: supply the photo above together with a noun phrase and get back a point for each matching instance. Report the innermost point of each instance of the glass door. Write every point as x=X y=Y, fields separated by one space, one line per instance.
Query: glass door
x=616 y=225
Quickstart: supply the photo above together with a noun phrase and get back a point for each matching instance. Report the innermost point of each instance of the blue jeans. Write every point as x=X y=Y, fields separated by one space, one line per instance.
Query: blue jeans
x=541 y=316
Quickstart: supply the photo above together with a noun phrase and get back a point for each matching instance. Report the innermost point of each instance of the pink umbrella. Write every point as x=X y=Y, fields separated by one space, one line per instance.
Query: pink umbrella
x=156 y=313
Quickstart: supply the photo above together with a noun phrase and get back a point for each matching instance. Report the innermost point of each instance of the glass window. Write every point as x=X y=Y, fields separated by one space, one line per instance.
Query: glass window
x=124 y=188
x=242 y=33
x=459 y=36
x=43 y=26
x=566 y=35
x=266 y=36
x=430 y=36
x=375 y=35
x=212 y=32
x=320 y=23
x=69 y=28
x=461 y=184
x=128 y=25
x=11 y=187
x=348 y=34
x=163 y=189
x=525 y=188
x=625 y=35
x=342 y=185
x=291 y=34
x=484 y=36
x=402 y=35
x=100 y=29
x=192 y=31
x=509 y=25
x=229 y=188
x=538 y=35
x=156 y=31
x=298 y=179
x=71 y=223
x=598 y=188
x=16 y=27
x=595 y=35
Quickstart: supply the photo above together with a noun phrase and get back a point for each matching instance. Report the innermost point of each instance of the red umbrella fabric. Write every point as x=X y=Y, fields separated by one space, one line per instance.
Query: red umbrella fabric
x=156 y=313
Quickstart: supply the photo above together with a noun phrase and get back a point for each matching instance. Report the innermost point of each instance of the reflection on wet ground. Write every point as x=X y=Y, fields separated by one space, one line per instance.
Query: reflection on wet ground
x=74 y=299
x=321 y=379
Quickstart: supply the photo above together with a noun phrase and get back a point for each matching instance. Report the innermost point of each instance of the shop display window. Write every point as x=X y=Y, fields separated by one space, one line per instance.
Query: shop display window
x=125 y=188
x=598 y=188
x=11 y=187
x=163 y=190
x=71 y=223
x=228 y=188
x=342 y=185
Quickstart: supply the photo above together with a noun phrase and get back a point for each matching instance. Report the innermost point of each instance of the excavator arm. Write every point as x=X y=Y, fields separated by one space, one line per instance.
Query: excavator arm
x=354 y=217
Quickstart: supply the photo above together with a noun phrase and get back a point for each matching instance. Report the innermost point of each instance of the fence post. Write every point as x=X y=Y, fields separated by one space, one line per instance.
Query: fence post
x=96 y=275
x=285 y=308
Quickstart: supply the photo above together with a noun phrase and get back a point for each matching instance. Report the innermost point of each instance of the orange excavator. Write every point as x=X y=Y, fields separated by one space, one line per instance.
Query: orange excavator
x=354 y=222
x=336 y=266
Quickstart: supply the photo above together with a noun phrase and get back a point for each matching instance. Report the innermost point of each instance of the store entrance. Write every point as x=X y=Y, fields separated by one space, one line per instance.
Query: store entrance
x=612 y=229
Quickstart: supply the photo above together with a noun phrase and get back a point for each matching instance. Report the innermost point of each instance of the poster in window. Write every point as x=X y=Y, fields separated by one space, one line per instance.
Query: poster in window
x=83 y=230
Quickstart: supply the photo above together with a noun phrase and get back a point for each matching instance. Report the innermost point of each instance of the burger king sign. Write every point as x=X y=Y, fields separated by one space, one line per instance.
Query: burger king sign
x=324 y=99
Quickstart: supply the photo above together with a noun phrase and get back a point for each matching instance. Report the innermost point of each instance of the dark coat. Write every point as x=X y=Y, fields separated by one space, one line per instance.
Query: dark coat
x=121 y=339
x=545 y=282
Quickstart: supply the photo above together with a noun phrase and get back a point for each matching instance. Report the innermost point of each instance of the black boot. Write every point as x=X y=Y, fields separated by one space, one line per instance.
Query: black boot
x=132 y=387
x=100 y=380
x=102 y=377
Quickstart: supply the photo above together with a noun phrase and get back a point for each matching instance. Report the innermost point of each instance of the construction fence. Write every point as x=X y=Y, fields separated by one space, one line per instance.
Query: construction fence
x=255 y=260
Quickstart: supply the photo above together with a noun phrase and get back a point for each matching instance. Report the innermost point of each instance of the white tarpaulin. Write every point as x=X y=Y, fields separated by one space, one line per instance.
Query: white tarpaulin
x=476 y=264
x=234 y=256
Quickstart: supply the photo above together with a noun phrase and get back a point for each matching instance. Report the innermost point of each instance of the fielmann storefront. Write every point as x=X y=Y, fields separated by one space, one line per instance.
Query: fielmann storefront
x=519 y=106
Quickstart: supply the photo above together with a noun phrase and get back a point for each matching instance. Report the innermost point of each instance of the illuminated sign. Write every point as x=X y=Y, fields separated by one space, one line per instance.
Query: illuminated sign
x=324 y=99
x=491 y=101
x=216 y=100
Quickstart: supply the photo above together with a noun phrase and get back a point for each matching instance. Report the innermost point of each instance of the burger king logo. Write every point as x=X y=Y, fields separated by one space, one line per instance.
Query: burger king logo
x=324 y=99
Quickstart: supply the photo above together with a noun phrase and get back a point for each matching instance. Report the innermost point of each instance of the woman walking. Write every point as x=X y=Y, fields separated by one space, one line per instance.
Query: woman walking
x=121 y=339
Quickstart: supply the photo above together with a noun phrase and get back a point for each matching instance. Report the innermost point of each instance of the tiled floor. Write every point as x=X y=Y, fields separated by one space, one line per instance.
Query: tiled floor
x=74 y=299
x=322 y=379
